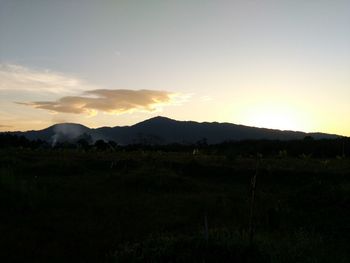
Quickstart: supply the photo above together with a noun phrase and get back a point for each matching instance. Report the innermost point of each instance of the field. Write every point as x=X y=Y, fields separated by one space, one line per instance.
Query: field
x=71 y=205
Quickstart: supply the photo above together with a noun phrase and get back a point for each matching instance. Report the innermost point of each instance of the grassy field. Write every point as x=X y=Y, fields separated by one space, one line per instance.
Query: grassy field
x=154 y=206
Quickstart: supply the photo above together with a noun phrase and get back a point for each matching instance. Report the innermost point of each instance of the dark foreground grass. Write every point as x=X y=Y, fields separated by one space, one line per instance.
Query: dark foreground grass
x=74 y=206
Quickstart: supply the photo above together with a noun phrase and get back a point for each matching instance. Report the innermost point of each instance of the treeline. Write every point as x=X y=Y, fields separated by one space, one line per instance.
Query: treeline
x=306 y=148
x=14 y=141
x=8 y=140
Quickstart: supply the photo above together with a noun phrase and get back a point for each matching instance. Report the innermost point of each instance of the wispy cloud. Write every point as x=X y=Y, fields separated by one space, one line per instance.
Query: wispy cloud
x=116 y=101
x=5 y=126
x=76 y=96
x=16 y=77
x=206 y=98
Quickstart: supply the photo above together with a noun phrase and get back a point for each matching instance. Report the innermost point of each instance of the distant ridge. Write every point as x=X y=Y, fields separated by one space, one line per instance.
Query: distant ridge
x=162 y=130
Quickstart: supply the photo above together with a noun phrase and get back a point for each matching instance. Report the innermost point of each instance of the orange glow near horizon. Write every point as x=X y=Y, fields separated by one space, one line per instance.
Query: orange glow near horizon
x=275 y=117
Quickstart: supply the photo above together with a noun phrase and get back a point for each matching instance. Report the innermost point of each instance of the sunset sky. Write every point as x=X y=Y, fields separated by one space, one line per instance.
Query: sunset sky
x=279 y=64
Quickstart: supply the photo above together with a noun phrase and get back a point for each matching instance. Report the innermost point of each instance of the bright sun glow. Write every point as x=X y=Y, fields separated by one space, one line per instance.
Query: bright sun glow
x=282 y=118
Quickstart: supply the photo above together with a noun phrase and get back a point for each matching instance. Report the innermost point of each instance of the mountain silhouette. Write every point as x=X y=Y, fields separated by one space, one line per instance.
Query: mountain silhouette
x=162 y=130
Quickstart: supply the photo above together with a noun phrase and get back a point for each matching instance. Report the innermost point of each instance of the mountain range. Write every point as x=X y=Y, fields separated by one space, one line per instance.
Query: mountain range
x=162 y=130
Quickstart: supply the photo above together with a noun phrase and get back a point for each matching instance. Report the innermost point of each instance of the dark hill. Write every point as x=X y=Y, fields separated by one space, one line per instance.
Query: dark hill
x=161 y=130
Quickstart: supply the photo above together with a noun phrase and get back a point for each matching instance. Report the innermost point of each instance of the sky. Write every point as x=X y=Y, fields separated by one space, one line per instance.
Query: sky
x=264 y=63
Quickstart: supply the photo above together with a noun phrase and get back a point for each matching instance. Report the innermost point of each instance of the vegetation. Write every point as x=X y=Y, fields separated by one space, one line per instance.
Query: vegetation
x=106 y=203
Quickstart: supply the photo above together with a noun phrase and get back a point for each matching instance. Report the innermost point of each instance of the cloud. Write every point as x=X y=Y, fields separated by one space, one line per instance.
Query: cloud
x=16 y=77
x=116 y=101
x=76 y=96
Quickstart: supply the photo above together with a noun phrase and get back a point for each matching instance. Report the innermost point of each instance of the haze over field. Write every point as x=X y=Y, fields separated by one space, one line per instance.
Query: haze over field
x=274 y=64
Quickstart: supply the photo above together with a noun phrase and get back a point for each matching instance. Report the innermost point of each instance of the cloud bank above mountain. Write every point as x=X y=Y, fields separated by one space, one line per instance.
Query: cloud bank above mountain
x=73 y=95
x=117 y=101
